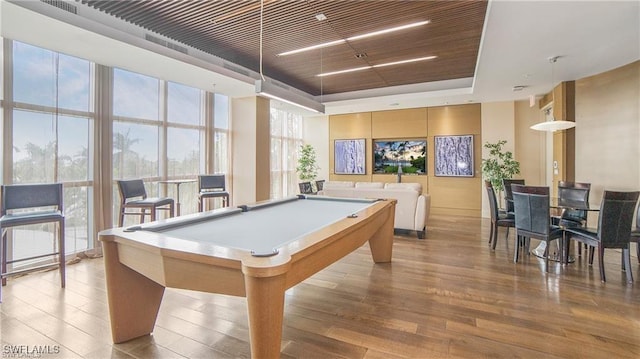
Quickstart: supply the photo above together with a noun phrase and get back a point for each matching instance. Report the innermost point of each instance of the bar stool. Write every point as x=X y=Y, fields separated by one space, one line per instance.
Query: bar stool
x=133 y=195
x=26 y=204
x=212 y=186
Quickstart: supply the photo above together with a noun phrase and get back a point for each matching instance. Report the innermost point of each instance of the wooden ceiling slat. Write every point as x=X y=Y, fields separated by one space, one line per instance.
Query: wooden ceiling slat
x=453 y=35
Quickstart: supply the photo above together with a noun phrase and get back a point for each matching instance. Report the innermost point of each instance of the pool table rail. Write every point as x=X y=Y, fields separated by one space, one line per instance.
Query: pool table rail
x=139 y=265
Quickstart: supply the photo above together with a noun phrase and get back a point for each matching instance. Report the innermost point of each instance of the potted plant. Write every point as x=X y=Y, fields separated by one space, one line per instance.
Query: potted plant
x=499 y=165
x=307 y=169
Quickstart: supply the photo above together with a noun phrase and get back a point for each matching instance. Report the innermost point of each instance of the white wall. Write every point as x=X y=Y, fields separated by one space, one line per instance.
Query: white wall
x=316 y=134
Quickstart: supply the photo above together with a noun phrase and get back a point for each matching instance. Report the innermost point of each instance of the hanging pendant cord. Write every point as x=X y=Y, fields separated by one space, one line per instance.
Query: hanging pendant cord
x=553 y=60
x=261 y=19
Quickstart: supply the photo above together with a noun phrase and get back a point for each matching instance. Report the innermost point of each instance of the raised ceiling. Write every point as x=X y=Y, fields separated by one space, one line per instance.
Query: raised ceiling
x=231 y=31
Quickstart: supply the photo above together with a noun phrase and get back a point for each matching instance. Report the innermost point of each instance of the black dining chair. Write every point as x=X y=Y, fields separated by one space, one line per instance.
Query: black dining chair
x=134 y=196
x=614 y=230
x=497 y=219
x=635 y=233
x=212 y=186
x=508 y=194
x=573 y=192
x=531 y=207
x=28 y=204
x=319 y=185
x=305 y=188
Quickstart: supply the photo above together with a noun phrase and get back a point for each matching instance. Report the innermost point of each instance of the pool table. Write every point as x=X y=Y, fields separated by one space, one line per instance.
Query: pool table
x=256 y=251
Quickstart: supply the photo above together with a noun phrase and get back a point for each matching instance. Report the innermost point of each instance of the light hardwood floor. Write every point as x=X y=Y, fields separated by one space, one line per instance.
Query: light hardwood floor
x=448 y=296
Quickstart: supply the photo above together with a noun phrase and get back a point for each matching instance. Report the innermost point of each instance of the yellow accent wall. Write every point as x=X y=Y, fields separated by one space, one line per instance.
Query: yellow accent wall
x=350 y=126
x=455 y=195
x=251 y=175
x=608 y=131
x=449 y=195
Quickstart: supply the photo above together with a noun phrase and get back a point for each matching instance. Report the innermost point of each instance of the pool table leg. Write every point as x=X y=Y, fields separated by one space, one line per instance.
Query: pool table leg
x=134 y=300
x=381 y=243
x=265 y=303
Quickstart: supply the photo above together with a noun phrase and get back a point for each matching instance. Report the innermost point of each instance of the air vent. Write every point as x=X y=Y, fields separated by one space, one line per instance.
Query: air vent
x=166 y=44
x=177 y=48
x=281 y=85
x=236 y=69
x=62 y=5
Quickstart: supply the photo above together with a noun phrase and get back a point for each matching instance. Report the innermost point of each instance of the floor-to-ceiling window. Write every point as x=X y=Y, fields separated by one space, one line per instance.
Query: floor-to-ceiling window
x=136 y=126
x=160 y=131
x=286 y=139
x=51 y=124
x=221 y=134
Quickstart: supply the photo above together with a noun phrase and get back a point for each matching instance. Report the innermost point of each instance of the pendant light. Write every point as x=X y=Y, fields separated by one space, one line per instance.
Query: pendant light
x=553 y=124
x=279 y=91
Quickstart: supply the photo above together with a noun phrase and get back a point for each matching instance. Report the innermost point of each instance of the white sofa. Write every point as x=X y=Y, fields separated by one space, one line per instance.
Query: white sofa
x=412 y=209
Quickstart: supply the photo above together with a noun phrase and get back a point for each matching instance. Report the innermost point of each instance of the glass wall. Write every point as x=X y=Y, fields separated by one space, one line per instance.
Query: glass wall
x=136 y=126
x=221 y=134
x=159 y=132
x=52 y=121
x=286 y=139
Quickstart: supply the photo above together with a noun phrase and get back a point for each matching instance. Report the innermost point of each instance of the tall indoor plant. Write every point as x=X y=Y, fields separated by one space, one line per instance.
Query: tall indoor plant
x=307 y=164
x=499 y=165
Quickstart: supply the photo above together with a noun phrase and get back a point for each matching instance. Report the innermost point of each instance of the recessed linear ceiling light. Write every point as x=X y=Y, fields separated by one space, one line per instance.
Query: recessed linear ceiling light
x=352 y=38
x=386 y=31
x=379 y=65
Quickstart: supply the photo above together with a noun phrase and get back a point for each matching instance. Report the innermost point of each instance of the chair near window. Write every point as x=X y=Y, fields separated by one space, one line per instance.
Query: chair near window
x=27 y=204
x=212 y=186
x=497 y=219
x=531 y=206
x=614 y=230
x=319 y=185
x=134 y=196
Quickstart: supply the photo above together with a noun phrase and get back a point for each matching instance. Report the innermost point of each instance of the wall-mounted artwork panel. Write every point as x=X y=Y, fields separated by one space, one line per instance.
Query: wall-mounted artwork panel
x=411 y=154
x=350 y=157
x=454 y=156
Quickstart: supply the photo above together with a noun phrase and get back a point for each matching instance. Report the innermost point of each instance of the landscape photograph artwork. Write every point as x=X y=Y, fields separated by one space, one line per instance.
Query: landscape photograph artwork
x=410 y=154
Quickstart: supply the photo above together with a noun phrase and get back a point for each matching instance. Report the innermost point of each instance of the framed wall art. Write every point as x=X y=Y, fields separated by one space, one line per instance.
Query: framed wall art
x=349 y=157
x=454 y=156
x=410 y=154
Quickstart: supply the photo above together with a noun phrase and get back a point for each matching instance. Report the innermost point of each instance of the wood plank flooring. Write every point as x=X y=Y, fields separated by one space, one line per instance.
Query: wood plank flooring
x=448 y=296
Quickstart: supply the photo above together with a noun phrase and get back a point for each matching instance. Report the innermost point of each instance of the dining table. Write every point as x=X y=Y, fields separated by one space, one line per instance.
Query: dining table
x=562 y=204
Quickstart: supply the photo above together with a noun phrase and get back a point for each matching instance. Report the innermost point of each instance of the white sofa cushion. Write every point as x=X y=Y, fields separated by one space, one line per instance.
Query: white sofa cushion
x=337 y=184
x=405 y=208
x=412 y=208
x=414 y=186
x=378 y=185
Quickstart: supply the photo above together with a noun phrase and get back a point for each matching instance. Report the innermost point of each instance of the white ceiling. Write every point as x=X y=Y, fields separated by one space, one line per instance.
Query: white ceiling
x=589 y=36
